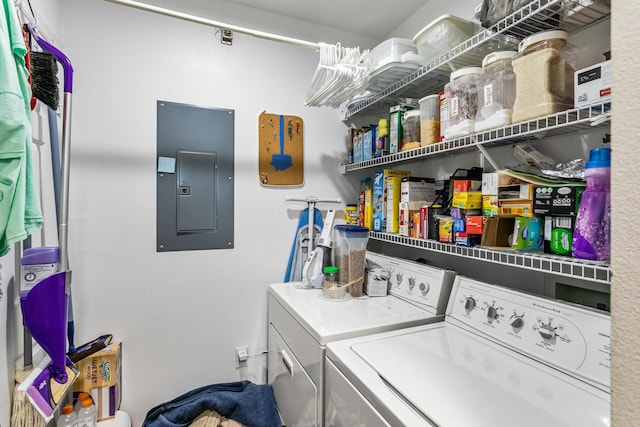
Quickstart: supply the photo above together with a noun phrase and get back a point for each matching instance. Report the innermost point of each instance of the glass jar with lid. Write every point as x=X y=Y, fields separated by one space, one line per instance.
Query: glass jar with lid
x=544 y=68
x=462 y=102
x=496 y=91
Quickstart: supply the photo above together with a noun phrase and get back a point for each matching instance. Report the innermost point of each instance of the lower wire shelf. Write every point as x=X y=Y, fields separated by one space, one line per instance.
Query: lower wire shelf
x=599 y=272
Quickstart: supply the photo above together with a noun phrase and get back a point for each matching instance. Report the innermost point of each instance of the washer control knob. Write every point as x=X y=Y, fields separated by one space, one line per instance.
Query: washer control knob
x=424 y=288
x=492 y=312
x=517 y=322
x=547 y=332
x=469 y=304
x=412 y=282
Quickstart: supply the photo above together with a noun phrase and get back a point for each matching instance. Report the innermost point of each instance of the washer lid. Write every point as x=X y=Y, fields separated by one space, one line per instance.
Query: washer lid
x=455 y=379
x=329 y=320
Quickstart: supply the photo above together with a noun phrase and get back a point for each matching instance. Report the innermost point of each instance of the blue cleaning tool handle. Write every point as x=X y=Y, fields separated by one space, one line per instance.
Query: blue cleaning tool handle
x=281 y=134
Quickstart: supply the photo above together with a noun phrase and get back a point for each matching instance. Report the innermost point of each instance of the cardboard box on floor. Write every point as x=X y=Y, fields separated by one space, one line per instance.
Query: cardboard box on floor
x=100 y=374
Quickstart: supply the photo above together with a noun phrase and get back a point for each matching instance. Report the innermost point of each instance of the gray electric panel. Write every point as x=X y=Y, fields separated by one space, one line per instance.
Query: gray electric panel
x=194 y=190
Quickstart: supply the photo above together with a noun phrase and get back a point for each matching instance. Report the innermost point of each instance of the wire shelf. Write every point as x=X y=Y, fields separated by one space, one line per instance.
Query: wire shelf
x=539 y=15
x=565 y=122
x=563 y=266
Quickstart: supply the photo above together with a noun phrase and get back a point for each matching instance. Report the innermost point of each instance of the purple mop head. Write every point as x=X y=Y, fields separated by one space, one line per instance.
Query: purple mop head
x=44 y=313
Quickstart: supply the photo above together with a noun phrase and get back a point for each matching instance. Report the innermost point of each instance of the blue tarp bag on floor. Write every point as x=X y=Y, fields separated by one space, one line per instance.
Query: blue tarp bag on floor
x=245 y=402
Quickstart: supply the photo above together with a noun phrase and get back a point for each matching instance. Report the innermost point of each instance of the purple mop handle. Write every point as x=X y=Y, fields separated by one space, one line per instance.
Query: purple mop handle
x=61 y=57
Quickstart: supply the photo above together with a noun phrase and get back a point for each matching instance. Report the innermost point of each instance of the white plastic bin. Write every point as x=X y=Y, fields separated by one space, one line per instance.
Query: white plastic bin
x=441 y=35
x=392 y=50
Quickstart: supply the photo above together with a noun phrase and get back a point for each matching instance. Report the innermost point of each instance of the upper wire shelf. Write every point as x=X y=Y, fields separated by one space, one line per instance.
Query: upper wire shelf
x=565 y=122
x=539 y=15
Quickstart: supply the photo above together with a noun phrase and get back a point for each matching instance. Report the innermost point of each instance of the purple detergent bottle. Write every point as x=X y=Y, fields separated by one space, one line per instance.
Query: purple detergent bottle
x=591 y=238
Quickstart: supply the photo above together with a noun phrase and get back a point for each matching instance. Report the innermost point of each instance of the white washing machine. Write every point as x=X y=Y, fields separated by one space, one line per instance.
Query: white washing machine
x=302 y=322
x=500 y=358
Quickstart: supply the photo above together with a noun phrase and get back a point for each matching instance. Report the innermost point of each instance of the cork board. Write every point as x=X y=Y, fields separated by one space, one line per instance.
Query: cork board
x=280 y=154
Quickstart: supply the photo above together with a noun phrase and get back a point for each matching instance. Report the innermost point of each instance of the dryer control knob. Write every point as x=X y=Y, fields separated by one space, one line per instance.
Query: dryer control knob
x=424 y=288
x=517 y=322
x=547 y=332
x=469 y=303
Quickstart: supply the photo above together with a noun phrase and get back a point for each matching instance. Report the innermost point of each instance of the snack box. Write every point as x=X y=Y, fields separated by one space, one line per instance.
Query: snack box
x=379 y=210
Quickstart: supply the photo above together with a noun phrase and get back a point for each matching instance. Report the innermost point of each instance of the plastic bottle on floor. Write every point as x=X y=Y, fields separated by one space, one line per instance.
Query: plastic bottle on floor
x=82 y=396
x=88 y=414
x=67 y=418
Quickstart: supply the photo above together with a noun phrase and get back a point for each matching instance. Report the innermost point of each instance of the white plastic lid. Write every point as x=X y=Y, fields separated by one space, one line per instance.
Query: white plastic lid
x=497 y=56
x=435 y=95
x=544 y=35
x=464 y=71
x=411 y=113
x=432 y=24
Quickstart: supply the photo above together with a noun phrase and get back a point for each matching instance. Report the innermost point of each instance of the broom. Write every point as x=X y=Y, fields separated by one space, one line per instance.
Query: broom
x=43 y=69
x=44 y=80
x=23 y=414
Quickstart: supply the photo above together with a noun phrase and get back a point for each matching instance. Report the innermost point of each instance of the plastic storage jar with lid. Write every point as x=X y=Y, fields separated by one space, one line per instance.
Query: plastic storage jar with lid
x=351 y=248
x=496 y=91
x=411 y=129
x=544 y=75
x=430 y=119
x=463 y=102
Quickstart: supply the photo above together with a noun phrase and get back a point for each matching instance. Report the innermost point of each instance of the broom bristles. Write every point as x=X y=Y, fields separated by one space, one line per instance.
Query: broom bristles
x=44 y=78
x=23 y=414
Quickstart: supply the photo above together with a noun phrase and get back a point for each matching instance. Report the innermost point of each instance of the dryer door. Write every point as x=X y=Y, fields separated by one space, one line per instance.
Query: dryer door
x=295 y=393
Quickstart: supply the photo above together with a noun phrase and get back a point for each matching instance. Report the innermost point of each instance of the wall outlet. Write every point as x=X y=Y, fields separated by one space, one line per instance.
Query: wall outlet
x=242 y=356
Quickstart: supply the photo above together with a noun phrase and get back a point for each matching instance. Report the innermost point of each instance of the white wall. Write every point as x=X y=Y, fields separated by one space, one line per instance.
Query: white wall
x=180 y=315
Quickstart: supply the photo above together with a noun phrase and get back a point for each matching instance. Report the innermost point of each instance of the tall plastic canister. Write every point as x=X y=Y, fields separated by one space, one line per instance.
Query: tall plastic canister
x=496 y=91
x=462 y=102
x=430 y=119
x=37 y=264
x=544 y=75
x=591 y=238
x=351 y=249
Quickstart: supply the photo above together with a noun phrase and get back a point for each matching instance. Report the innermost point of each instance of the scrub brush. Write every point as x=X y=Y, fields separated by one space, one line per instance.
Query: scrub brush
x=44 y=78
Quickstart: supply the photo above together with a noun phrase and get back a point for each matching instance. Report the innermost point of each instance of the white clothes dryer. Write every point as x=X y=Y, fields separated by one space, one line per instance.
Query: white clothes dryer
x=500 y=358
x=302 y=322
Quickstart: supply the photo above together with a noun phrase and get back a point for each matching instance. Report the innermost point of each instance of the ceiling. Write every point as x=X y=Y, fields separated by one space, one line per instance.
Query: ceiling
x=371 y=18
